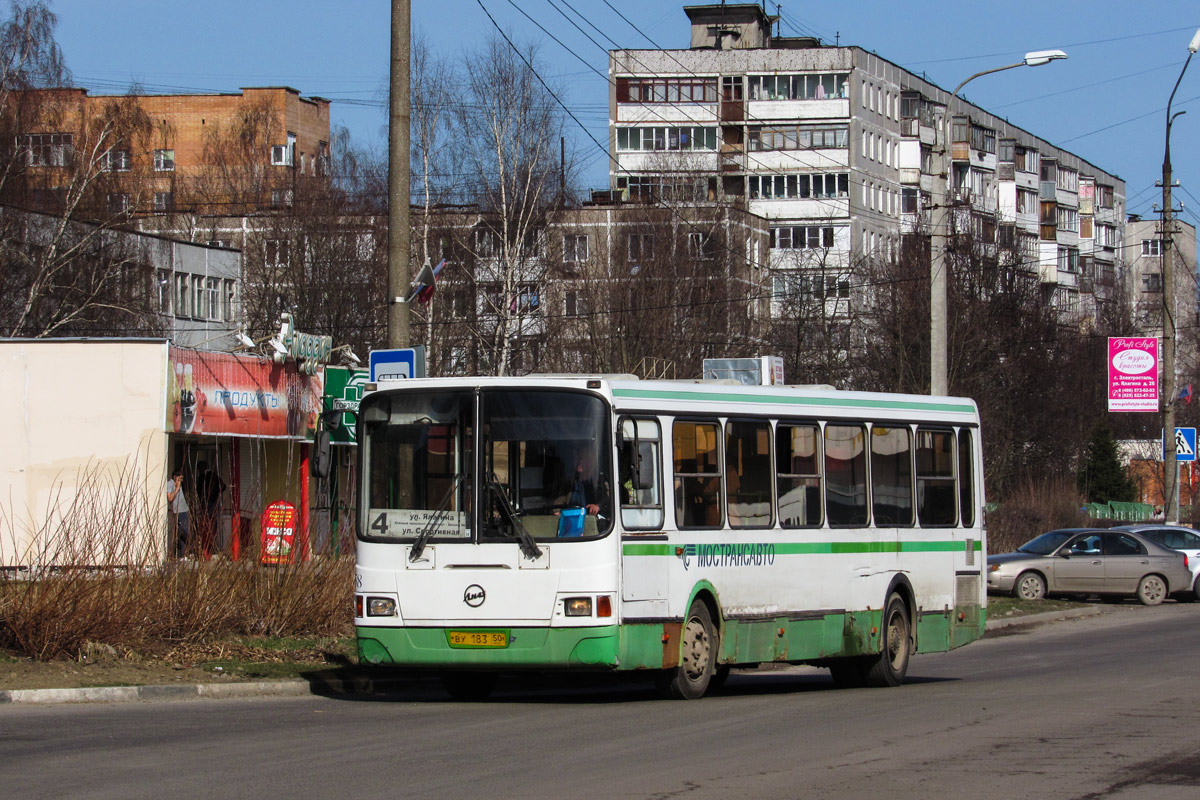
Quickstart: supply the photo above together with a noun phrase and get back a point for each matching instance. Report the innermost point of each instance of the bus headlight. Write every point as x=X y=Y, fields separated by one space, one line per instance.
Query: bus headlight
x=381 y=607
x=577 y=606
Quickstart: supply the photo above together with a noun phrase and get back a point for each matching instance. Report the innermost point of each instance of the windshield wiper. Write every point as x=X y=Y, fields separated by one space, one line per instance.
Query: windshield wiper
x=524 y=538
x=431 y=527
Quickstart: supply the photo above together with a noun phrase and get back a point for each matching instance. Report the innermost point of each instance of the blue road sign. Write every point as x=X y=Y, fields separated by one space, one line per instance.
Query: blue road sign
x=405 y=362
x=1185 y=445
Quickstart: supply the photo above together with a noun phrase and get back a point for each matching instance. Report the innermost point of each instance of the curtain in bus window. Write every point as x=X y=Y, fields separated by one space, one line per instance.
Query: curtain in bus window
x=799 y=476
x=966 y=482
x=697 y=475
x=846 y=475
x=935 y=477
x=891 y=476
x=748 y=474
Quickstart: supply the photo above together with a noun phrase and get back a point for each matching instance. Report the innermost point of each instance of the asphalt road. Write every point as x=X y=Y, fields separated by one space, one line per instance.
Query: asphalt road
x=1097 y=707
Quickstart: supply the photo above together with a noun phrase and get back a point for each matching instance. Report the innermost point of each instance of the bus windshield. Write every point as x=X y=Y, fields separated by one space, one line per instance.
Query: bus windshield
x=544 y=466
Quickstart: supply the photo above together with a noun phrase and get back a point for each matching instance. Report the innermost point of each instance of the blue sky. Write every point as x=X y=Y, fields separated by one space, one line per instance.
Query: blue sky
x=1107 y=102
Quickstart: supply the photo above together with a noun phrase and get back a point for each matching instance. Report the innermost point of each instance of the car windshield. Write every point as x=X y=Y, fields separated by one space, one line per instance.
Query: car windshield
x=1045 y=544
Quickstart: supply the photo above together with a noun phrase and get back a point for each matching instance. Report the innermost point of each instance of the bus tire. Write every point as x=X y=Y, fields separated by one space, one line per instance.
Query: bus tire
x=697 y=657
x=469 y=686
x=889 y=668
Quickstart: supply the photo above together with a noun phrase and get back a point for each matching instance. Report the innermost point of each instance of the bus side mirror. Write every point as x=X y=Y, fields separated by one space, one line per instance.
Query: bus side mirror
x=321 y=460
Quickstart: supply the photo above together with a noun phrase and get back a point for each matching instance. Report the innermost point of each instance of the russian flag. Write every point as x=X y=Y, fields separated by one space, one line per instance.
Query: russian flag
x=423 y=285
x=1185 y=394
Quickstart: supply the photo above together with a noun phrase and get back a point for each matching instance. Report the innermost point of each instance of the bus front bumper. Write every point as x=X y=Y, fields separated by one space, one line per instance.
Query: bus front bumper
x=523 y=647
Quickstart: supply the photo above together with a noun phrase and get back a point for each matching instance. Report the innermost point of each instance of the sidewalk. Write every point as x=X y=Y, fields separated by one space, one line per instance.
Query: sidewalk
x=340 y=684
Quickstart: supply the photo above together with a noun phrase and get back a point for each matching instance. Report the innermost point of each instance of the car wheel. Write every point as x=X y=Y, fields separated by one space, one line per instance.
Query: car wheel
x=1029 y=586
x=1196 y=589
x=889 y=668
x=1152 y=590
x=697 y=658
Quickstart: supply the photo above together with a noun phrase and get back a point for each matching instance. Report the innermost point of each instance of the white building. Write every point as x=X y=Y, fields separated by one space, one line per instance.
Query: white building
x=843 y=150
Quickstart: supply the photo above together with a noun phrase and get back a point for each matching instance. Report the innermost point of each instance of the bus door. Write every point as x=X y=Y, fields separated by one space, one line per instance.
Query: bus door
x=643 y=569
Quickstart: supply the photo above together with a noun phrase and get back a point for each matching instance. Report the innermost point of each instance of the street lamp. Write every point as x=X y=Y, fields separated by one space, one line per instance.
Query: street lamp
x=1170 y=461
x=939 y=381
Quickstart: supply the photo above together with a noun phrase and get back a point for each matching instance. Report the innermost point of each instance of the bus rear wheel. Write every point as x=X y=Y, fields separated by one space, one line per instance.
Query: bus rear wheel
x=889 y=668
x=469 y=686
x=697 y=658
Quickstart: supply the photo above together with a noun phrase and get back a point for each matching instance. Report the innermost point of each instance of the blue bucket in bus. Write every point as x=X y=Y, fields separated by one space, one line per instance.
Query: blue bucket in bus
x=570 y=522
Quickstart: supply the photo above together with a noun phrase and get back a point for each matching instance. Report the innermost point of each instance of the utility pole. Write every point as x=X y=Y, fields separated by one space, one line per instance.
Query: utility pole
x=399 y=256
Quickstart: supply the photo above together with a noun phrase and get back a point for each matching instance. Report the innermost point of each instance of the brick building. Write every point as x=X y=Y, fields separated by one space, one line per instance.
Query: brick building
x=141 y=154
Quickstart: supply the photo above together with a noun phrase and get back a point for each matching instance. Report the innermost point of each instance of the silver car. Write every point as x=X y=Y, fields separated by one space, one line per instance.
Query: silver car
x=1086 y=561
x=1176 y=537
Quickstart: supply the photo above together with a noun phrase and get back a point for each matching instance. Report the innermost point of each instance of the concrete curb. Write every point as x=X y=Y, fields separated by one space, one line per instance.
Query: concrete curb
x=1038 y=619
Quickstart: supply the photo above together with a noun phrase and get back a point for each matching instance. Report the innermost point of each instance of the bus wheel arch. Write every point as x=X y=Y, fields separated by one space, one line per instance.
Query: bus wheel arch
x=901 y=586
x=699 y=651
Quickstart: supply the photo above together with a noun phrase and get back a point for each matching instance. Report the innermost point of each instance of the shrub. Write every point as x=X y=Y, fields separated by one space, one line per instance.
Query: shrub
x=1031 y=510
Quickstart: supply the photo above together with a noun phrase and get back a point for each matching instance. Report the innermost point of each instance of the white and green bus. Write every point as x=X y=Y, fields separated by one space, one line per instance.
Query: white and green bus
x=681 y=528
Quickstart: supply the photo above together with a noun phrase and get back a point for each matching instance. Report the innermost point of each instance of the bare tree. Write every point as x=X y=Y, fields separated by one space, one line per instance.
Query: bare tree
x=514 y=126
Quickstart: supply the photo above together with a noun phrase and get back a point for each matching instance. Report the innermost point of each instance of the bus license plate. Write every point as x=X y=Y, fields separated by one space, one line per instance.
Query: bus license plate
x=478 y=638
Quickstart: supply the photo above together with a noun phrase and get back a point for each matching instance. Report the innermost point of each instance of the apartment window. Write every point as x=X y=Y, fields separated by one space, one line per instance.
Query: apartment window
x=1106 y=235
x=164 y=201
x=1027 y=201
x=909 y=200
x=218 y=243
x=1026 y=159
x=575 y=248
x=700 y=246
x=1005 y=152
x=641 y=246
x=230 y=298
x=666 y=90
x=799 y=186
x=528 y=298
x=276 y=252
x=162 y=278
x=48 y=149
x=576 y=304
x=1104 y=196
x=666 y=138
x=116 y=161
x=790 y=137
x=485 y=243
x=1068 y=179
x=960 y=130
x=183 y=294
x=1152 y=282
x=164 y=160
x=983 y=139
x=322 y=162
x=1152 y=247
x=802 y=237
x=1068 y=259
x=281 y=198
x=818 y=86
x=1068 y=219
x=118 y=202
x=282 y=154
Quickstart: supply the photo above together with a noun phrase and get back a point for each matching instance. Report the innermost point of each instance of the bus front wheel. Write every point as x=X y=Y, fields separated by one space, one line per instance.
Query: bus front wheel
x=697 y=657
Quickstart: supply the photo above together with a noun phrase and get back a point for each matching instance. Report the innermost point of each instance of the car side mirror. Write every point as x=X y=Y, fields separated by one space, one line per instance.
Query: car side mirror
x=1064 y=553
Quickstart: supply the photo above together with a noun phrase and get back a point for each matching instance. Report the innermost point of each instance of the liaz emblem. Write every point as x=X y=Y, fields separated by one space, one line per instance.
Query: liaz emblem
x=474 y=595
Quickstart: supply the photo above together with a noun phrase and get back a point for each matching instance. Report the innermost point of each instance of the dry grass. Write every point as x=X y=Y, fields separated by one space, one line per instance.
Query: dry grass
x=94 y=573
x=1032 y=510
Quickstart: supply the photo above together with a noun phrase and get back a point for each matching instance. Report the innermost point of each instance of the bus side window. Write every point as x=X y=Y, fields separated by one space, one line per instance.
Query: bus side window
x=936 y=501
x=798 y=475
x=697 y=467
x=640 y=488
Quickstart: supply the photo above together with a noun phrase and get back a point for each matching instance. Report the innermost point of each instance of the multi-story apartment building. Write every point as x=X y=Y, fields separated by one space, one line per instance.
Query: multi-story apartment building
x=605 y=286
x=844 y=152
x=1144 y=255
x=209 y=153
